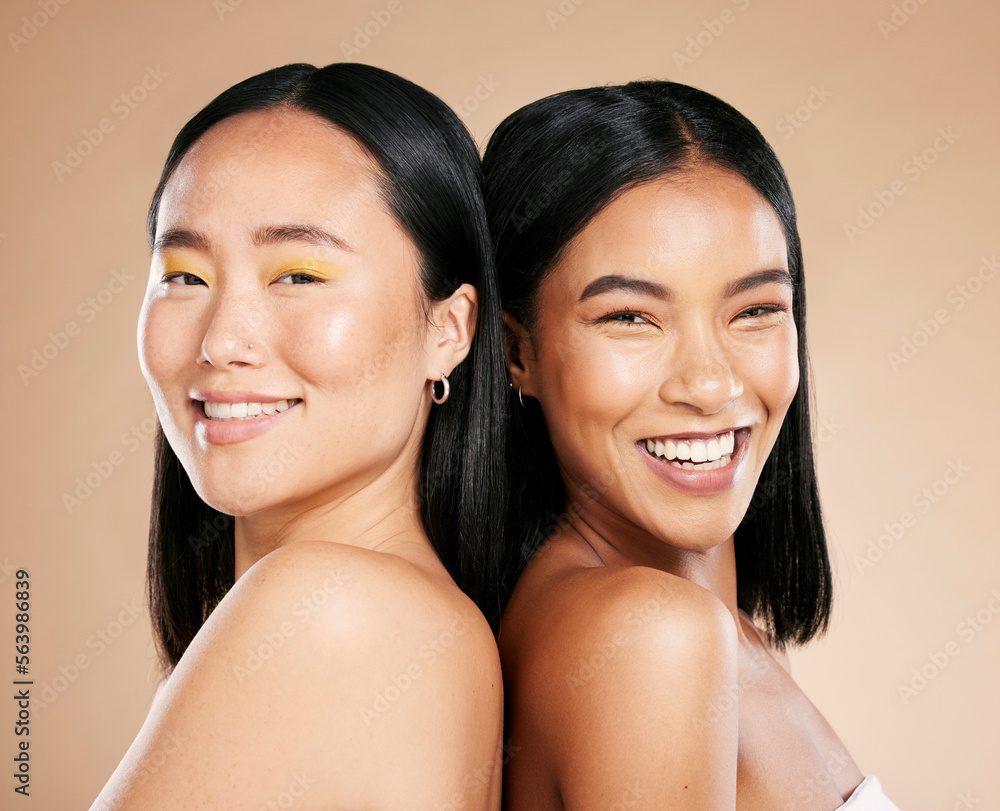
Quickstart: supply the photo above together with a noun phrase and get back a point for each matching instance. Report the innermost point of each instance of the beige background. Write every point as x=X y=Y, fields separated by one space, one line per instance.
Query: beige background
x=879 y=97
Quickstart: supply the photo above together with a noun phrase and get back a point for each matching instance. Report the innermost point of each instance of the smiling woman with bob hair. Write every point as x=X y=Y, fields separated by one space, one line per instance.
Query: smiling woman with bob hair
x=321 y=335
x=651 y=276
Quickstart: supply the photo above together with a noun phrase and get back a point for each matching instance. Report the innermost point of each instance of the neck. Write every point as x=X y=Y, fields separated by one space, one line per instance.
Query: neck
x=378 y=512
x=618 y=542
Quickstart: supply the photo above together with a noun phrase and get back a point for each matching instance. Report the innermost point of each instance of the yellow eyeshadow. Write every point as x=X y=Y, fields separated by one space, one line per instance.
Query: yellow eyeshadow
x=319 y=267
x=173 y=265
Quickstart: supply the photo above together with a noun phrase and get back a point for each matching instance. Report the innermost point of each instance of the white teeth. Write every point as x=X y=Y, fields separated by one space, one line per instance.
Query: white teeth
x=725 y=460
x=700 y=453
x=243 y=411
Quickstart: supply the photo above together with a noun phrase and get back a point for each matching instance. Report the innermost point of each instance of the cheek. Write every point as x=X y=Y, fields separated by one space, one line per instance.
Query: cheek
x=771 y=371
x=588 y=384
x=165 y=335
x=356 y=355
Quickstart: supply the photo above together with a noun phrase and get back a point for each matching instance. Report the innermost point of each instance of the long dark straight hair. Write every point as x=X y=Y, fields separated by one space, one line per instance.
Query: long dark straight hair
x=549 y=169
x=432 y=182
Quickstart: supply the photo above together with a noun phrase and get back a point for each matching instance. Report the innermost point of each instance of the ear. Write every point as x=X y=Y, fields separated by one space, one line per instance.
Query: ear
x=455 y=327
x=518 y=354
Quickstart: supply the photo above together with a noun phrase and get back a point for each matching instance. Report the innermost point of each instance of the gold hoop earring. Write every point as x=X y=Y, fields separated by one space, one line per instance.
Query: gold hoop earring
x=519 y=397
x=445 y=389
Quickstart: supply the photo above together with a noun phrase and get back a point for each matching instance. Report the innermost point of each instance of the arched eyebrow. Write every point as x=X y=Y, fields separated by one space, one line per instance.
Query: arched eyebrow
x=758 y=279
x=180 y=238
x=628 y=284
x=273 y=234
x=265 y=235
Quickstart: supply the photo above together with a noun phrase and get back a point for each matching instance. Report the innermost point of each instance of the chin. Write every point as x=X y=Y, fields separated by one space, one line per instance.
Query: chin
x=247 y=495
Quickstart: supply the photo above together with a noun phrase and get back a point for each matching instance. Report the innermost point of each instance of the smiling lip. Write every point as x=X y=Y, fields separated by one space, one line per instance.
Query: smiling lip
x=697 y=481
x=230 y=431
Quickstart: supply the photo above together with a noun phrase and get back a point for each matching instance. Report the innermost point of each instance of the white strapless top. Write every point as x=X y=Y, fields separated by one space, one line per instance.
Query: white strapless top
x=869 y=797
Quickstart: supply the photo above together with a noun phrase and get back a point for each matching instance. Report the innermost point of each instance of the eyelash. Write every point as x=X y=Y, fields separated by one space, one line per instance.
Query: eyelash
x=311 y=279
x=299 y=274
x=170 y=277
x=613 y=316
x=769 y=309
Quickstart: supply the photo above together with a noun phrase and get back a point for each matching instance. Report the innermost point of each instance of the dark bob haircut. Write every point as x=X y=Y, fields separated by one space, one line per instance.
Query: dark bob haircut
x=431 y=181
x=549 y=169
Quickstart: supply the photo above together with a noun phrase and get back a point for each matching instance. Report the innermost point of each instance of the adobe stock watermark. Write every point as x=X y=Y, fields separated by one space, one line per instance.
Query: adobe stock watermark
x=900 y=14
x=629 y=798
x=481 y=777
x=971 y=626
x=482 y=91
x=751 y=666
x=558 y=15
x=30 y=26
x=587 y=667
x=103 y=469
x=96 y=644
x=121 y=108
x=913 y=170
x=428 y=654
x=923 y=501
x=711 y=29
x=370 y=29
x=296 y=790
x=87 y=310
x=224 y=7
x=171 y=744
x=957 y=297
x=302 y=611
x=792 y=122
x=813 y=789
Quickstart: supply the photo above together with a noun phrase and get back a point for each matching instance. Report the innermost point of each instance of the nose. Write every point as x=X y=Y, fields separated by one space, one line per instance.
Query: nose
x=699 y=373
x=235 y=334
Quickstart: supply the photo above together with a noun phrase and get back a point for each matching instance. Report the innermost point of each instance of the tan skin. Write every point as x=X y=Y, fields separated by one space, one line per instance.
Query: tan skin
x=382 y=686
x=631 y=676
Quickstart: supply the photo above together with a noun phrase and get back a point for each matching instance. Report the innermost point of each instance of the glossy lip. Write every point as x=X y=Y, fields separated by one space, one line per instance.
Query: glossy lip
x=698 y=481
x=216 y=432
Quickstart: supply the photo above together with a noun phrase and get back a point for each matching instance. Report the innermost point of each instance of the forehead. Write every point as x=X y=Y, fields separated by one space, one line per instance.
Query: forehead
x=296 y=162
x=703 y=222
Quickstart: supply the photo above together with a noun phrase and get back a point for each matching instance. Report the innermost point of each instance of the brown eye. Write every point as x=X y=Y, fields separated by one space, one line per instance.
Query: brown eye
x=623 y=317
x=182 y=278
x=297 y=278
x=760 y=310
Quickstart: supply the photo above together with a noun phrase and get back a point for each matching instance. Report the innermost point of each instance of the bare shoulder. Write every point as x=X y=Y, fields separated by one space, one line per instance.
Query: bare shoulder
x=613 y=608
x=347 y=658
x=608 y=662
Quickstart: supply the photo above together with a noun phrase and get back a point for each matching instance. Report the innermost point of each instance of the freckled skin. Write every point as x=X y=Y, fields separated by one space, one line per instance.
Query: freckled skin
x=338 y=590
x=685 y=705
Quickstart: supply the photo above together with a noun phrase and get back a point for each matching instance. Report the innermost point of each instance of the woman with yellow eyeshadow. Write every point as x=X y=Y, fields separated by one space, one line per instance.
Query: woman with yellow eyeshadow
x=321 y=337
